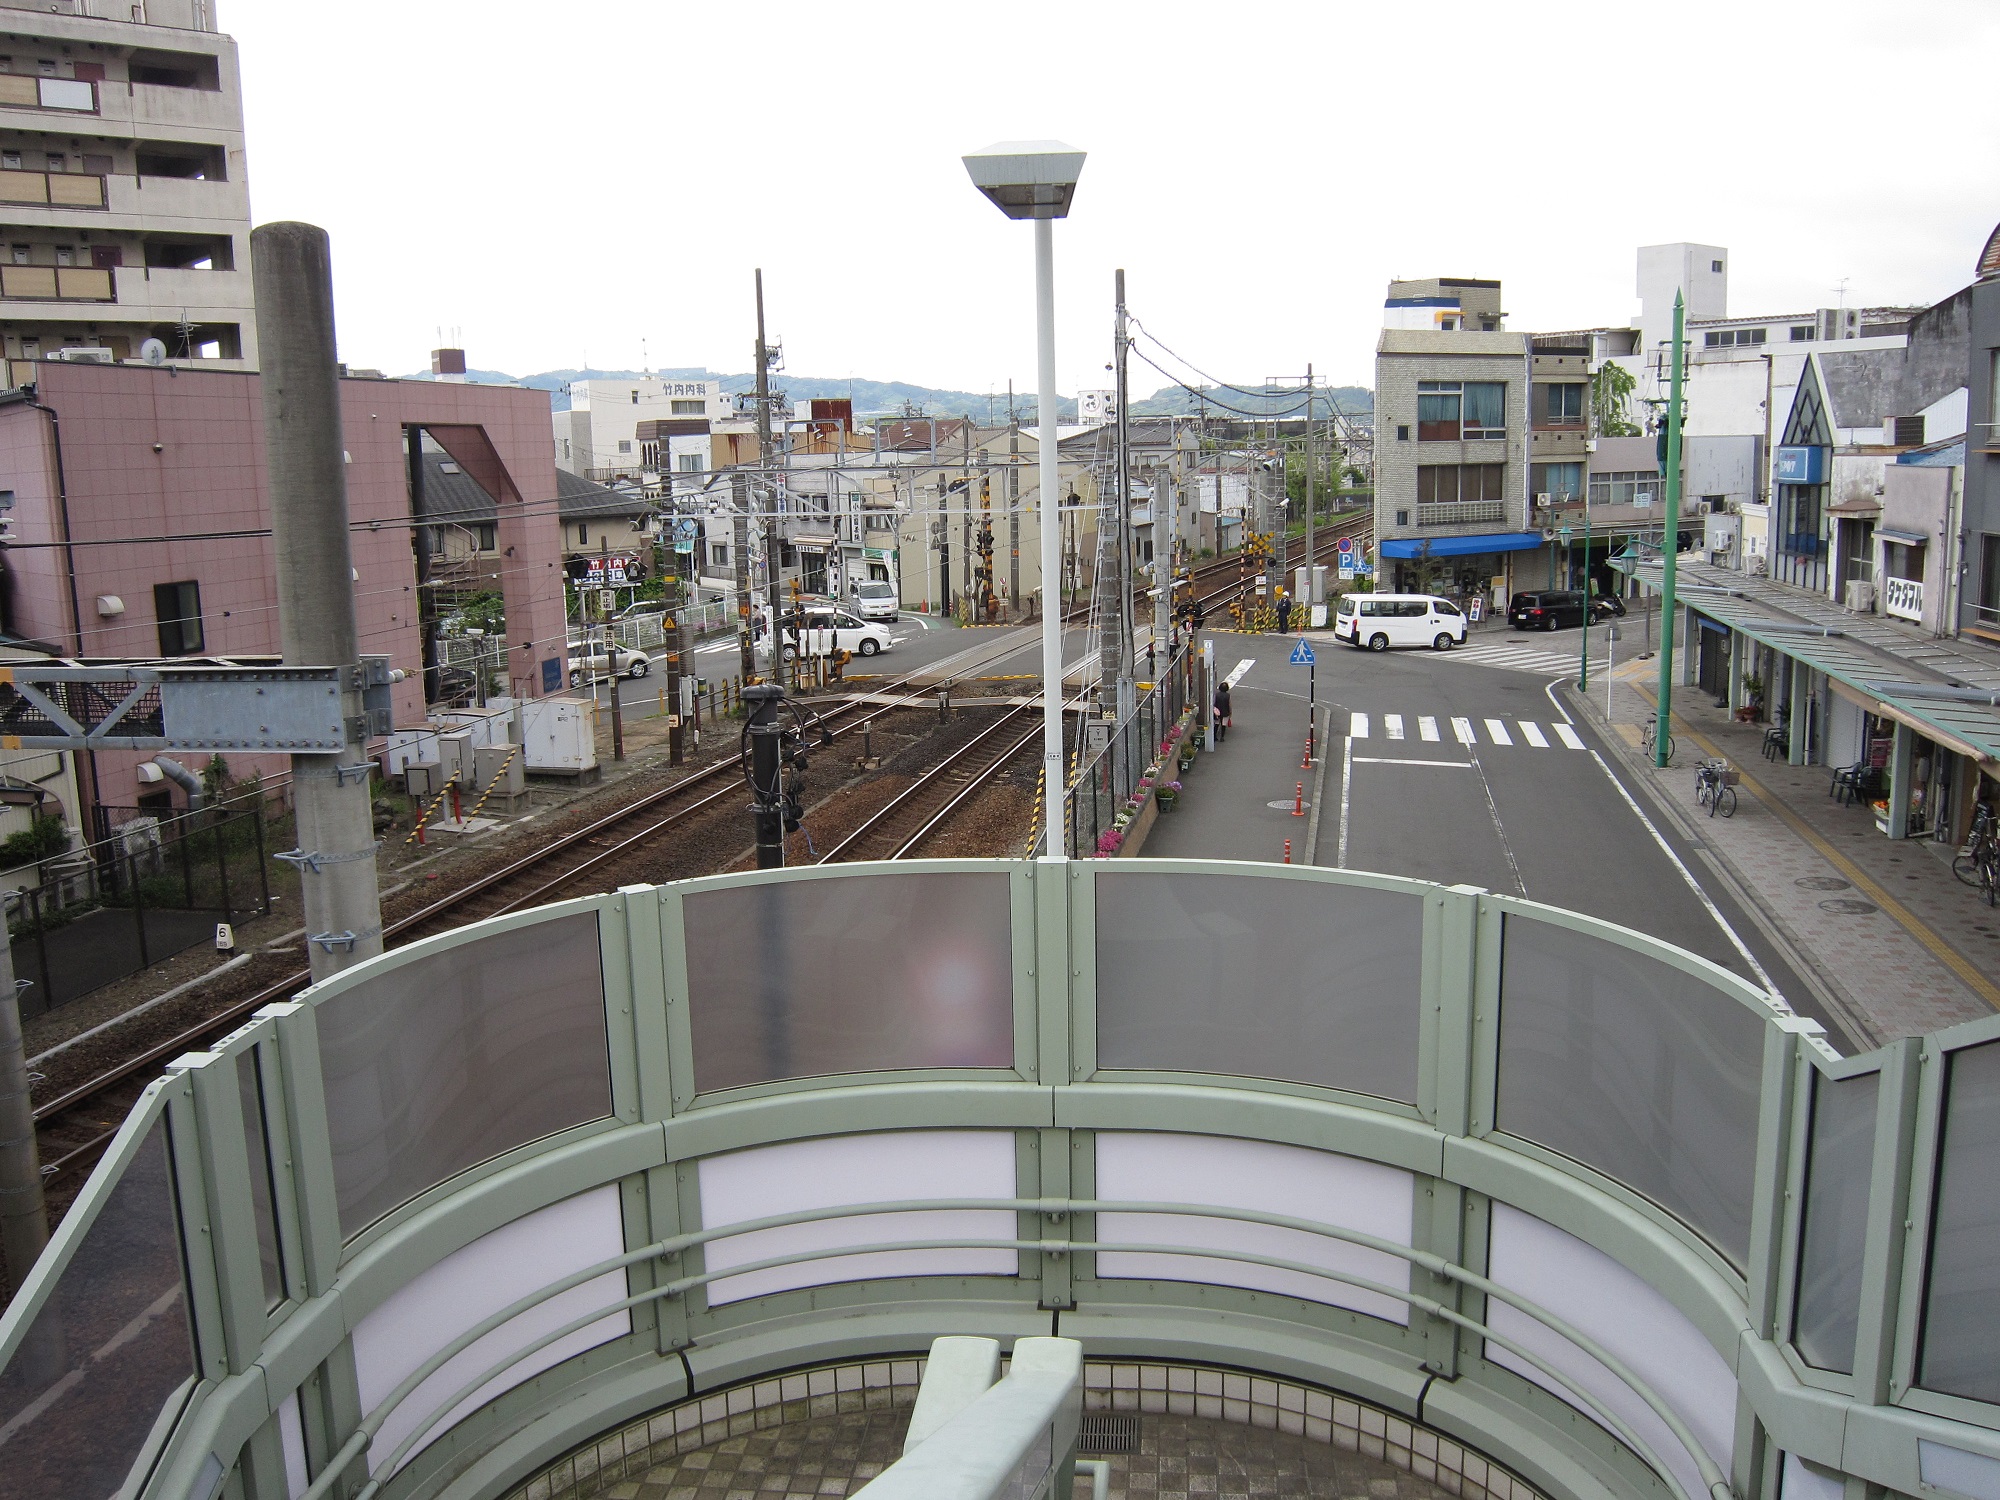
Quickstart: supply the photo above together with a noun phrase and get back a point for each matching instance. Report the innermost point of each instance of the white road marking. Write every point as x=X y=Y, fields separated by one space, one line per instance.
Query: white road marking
x=1708 y=903
x=1568 y=736
x=1357 y=726
x=1532 y=733
x=1394 y=724
x=1498 y=732
x=1346 y=793
x=1462 y=731
x=1427 y=728
x=1241 y=671
x=1401 y=760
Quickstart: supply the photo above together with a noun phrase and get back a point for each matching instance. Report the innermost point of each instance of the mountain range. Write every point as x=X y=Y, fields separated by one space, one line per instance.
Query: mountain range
x=896 y=398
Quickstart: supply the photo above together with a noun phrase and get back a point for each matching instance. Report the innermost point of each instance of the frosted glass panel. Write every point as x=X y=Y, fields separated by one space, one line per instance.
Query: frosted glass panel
x=1622 y=1311
x=1257 y=1177
x=1263 y=978
x=1635 y=1068
x=1839 y=1157
x=260 y=1177
x=438 y=1064
x=109 y=1350
x=1962 y=1302
x=470 y=1285
x=838 y=1171
x=798 y=978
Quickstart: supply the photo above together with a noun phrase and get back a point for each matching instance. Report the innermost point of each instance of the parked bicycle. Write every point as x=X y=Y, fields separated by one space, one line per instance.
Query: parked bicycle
x=1647 y=731
x=1978 y=864
x=1715 y=787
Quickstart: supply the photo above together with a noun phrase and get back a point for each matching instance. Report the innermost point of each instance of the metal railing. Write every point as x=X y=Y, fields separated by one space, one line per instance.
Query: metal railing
x=1106 y=784
x=1452 y=512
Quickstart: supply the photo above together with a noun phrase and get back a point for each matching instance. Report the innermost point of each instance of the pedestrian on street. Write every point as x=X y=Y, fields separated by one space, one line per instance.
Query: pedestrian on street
x=1284 y=612
x=1221 y=711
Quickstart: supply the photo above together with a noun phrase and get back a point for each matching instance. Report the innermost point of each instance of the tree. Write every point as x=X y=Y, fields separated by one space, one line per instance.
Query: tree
x=1610 y=394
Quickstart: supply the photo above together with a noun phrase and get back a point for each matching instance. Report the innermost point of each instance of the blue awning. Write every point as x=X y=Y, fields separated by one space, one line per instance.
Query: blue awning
x=1462 y=546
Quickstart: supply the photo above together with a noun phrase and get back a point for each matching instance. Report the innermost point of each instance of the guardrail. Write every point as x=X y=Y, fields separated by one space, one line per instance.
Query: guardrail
x=1506 y=1168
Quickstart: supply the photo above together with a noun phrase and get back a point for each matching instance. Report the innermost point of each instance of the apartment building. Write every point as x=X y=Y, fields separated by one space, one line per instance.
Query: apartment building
x=597 y=437
x=1453 y=512
x=124 y=208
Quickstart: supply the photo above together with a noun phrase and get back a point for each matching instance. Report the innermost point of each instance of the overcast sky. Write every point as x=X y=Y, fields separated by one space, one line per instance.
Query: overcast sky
x=559 y=182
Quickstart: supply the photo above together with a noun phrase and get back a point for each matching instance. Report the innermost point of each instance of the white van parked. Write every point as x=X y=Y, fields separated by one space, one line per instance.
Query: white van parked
x=1379 y=621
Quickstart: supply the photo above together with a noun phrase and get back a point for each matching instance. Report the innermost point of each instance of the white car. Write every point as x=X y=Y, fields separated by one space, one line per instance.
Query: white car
x=876 y=601
x=1379 y=621
x=588 y=661
x=826 y=630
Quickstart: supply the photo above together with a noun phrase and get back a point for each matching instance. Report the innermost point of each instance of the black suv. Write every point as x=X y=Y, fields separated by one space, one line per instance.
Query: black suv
x=1546 y=610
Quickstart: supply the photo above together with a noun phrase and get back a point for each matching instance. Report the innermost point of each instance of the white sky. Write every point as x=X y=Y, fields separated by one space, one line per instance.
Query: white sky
x=559 y=181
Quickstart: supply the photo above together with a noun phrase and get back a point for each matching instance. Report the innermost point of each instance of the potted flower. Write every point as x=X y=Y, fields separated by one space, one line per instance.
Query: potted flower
x=1753 y=698
x=1108 y=842
x=1167 y=793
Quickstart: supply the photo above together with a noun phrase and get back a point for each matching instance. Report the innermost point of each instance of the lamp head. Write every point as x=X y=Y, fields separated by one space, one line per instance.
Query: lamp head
x=1027 y=179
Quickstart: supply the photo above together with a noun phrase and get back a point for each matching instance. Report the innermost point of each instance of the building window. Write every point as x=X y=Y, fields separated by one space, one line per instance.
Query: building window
x=1447 y=484
x=1802 y=331
x=1402 y=518
x=624 y=445
x=1625 y=487
x=582 y=534
x=1561 y=404
x=1402 y=434
x=1560 y=482
x=177 y=607
x=690 y=408
x=1452 y=410
x=487 y=535
x=649 y=455
x=1730 y=338
x=690 y=463
x=565 y=447
x=718 y=554
x=1715 y=266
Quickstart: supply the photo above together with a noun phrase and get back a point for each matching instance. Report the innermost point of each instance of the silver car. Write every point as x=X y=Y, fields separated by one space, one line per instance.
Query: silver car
x=589 y=661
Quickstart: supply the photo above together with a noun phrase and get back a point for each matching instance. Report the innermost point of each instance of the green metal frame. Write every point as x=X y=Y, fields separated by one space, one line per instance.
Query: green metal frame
x=1055 y=1101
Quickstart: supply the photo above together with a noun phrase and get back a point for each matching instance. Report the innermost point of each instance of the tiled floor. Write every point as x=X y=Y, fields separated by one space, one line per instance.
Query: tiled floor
x=1179 y=1457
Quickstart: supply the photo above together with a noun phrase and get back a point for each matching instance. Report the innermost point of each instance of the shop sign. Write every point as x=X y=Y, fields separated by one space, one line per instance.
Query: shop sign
x=614 y=571
x=1903 y=598
x=1802 y=465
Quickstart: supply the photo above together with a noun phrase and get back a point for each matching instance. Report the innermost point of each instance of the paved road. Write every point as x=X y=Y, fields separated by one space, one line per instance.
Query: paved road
x=1448 y=768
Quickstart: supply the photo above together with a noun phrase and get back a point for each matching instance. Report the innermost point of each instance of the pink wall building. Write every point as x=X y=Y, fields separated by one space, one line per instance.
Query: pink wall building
x=145 y=478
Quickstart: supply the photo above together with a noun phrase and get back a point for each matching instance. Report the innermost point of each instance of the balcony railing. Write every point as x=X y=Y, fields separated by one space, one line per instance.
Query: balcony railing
x=56 y=189
x=1452 y=512
x=58 y=284
x=71 y=95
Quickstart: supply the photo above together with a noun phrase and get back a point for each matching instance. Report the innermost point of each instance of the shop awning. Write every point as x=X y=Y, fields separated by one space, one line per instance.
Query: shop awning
x=1902 y=538
x=1462 y=546
x=1873 y=679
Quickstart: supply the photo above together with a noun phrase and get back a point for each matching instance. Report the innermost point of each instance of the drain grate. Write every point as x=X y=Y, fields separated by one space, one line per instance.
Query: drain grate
x=1108 y=1432
x=1821 y=883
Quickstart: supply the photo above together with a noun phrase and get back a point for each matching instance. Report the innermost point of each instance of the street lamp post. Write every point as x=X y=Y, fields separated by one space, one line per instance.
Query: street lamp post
x=1036 y=180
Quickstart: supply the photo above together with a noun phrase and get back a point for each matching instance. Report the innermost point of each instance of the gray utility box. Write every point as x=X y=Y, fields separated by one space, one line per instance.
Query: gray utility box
x=423 y=778
x=500 y=776
x=455 y=755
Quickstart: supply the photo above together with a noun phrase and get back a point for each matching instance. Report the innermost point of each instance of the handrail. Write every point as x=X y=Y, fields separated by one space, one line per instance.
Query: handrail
x=363 y=1436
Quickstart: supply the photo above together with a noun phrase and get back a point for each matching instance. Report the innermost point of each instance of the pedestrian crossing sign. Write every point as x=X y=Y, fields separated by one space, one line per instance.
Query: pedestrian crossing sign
x=1302 y=653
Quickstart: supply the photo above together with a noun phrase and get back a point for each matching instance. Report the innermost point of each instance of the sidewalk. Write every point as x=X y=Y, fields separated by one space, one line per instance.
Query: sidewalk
x=1898 y=945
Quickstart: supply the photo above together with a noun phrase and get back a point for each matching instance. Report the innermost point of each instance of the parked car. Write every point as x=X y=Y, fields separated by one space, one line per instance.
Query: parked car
x=1379 y=621
x=824 y=630
x=877 y=601
x=589 y=660
x=1546 y=610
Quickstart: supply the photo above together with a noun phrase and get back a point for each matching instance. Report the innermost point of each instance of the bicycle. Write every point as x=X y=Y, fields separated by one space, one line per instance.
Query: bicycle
x=1715 y=787
x=1978 y=864
x=1647 y=730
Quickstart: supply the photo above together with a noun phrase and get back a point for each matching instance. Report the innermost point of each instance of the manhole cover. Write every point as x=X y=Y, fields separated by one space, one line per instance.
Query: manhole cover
x=1286 y=804
x=1107 y=1432
x=1848 y=906
x=1821 y=883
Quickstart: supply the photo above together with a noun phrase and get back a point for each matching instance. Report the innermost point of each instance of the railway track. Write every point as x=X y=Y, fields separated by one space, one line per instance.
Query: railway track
x=75 y=1126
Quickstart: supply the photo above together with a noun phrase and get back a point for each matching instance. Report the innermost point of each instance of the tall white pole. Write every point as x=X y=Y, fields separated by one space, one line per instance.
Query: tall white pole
x=1045 y=419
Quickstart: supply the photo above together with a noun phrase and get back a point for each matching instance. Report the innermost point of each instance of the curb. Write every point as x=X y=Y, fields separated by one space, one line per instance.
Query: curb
x=1827 y=990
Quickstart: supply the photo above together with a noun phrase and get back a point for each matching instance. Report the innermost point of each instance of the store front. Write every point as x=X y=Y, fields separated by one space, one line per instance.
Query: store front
x=1461 y=568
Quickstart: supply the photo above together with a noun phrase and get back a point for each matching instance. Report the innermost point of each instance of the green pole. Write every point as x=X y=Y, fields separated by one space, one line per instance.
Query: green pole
x=1583 y=645
x=1671 y=552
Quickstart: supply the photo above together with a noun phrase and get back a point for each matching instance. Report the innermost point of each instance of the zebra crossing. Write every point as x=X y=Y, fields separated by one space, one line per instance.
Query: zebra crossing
x=1431 y=729
x=1546 y=661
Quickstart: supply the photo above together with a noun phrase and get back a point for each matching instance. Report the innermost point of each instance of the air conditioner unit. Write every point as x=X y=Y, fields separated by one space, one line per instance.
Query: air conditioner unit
x=1860 y=595
x=87 y=356
x=1545 y=501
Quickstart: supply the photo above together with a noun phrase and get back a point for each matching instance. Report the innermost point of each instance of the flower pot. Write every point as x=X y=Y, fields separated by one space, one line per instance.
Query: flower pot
x=1166 y=800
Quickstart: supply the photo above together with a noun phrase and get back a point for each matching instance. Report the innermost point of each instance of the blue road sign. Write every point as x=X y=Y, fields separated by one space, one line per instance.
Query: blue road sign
x=1302 y=653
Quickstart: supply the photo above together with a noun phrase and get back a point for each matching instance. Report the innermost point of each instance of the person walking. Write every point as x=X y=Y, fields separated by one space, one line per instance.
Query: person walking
x=1221 y=712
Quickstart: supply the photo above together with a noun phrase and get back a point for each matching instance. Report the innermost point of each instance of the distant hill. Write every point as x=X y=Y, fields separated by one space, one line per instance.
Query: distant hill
x=895 y=397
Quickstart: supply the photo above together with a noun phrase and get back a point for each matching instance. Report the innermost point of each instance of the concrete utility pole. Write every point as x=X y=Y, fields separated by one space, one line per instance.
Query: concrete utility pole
x=610 y=653
x=771 y=541
x=1114 y=669
x=292 y=279
x=1127 y=560
x=24 y=1220
x=1312 y=573
x=1013 y=504
x=745 y=605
